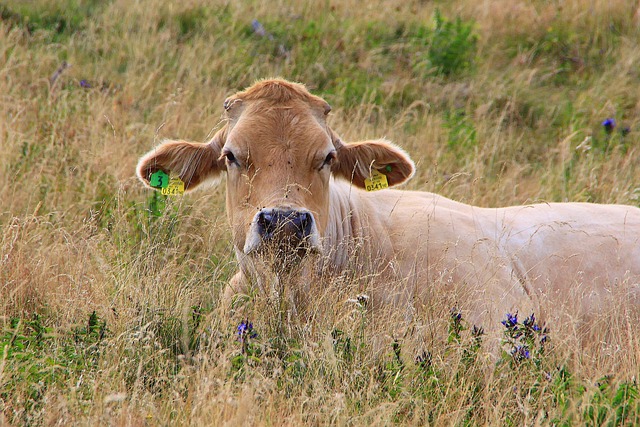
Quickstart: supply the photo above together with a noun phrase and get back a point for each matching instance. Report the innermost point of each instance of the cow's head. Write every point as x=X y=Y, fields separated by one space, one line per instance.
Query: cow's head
x=279 y=156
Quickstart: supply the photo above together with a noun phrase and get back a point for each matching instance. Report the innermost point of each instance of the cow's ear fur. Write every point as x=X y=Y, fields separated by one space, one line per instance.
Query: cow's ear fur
x=357 y=160
x=193 y=162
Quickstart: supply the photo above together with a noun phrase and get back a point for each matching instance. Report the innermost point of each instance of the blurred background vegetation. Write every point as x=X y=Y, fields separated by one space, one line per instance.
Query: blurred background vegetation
x=108 y=292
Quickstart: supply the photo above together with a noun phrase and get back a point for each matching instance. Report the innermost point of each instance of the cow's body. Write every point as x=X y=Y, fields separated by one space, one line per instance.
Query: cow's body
x=527 y=258
x=280 y=156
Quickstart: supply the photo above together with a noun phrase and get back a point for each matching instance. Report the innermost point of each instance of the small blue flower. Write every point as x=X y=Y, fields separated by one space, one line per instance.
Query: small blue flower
x=521 y=352
x=259 y=29
x=531 y=320
x=456 y=315
x=85 y=84
x=609 y=124
x=245 y=330
x=511 y=320
x=242 y=327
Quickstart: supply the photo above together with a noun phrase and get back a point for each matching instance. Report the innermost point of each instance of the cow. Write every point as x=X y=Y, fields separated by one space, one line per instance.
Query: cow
x=295 y=191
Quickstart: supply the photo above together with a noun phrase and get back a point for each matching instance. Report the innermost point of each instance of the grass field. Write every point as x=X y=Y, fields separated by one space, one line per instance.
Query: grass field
x=108 y=292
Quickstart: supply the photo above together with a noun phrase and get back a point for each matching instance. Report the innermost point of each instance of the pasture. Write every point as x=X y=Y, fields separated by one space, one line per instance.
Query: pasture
x=110 y=293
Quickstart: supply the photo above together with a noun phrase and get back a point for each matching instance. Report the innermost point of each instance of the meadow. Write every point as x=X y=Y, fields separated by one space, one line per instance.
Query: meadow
x=109 y=292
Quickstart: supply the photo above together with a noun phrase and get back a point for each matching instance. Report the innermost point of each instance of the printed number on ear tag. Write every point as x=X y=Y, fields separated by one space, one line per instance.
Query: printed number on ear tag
x=159 y=179
x=174 y=188
x=377 y=181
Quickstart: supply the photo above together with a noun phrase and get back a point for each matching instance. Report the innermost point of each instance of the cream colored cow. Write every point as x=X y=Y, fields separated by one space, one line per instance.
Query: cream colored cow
x=295 y=192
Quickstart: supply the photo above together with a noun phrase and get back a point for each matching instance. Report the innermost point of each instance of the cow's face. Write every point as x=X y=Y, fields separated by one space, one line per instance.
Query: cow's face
x=278 y=160
x=279 y=155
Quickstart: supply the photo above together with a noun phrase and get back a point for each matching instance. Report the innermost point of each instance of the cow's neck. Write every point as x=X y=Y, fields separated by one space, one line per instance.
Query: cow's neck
x=344 y=232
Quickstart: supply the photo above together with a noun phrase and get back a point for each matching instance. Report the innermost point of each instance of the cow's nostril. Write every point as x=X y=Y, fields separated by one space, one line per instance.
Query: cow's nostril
x=266 y=221
x=266 y=218
x=305 y=222
x=304 y=218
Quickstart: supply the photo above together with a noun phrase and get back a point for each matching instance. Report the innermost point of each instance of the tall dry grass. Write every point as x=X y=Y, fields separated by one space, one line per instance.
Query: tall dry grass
x=79 y=234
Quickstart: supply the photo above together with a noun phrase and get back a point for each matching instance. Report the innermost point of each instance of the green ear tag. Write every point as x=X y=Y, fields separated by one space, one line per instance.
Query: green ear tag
x=175 y=187
x=159 y=179
x=388 y=168
x=377 y=181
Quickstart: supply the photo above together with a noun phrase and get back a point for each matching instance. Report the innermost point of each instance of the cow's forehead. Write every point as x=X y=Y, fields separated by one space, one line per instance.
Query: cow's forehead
x=287 y=126
x=274 y=114
x=276 y=93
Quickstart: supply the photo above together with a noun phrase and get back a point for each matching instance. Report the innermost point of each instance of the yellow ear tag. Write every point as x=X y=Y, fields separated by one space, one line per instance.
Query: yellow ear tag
x=175 y=187
x=377 y=181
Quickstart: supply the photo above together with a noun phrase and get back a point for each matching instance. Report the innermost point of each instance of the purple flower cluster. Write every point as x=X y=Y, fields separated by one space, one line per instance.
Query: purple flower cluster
x=530 y=322
x=609 y=125
x=521 y=352
x=510 y=321
x=524 y=338
x=245 y=331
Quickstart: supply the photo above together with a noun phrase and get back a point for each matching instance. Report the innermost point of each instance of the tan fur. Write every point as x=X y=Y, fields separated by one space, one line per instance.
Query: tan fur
x=193 y=163
x=409 y=245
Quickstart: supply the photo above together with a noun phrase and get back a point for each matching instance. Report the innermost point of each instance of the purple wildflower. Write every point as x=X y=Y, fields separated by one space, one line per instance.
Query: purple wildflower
x=609 y=124
x=245 y=330
x=511 y=320
x=521 y=352
x=85 y=84
x=259 y=29
x=530 y=322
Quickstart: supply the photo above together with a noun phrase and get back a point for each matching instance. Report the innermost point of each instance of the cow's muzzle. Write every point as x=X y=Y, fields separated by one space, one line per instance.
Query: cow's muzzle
x=295 y=225
x=283 y=230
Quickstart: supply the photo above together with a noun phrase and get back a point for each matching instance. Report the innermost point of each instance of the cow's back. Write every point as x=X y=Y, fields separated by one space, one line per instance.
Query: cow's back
x=573 y=254
x=503 y=259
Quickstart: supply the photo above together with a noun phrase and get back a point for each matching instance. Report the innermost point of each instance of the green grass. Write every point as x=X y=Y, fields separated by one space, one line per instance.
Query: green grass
x=109 y=293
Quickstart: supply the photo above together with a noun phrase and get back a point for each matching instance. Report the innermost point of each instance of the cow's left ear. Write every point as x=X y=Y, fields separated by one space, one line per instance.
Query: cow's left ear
x=193 y=162
x=357 y=160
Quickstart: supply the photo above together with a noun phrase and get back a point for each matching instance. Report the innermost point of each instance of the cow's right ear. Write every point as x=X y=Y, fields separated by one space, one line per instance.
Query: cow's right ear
x=358 y=160
x=194 y=163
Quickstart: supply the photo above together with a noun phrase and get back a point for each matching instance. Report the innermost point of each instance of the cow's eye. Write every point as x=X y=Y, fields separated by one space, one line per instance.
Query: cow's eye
x=230 y=157
x=329 y=159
